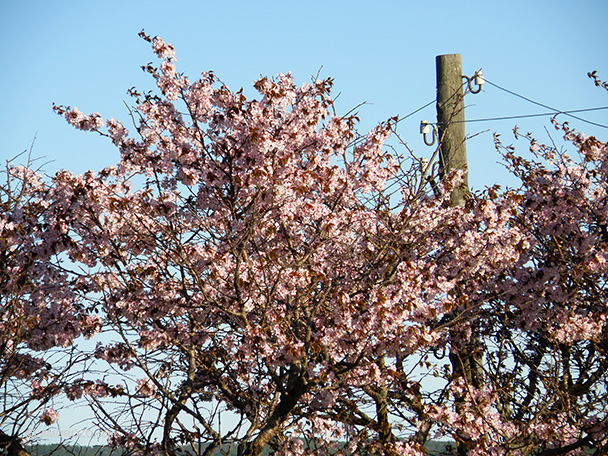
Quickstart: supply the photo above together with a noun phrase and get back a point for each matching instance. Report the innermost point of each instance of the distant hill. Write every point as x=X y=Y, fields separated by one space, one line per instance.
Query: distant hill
x=434 y=448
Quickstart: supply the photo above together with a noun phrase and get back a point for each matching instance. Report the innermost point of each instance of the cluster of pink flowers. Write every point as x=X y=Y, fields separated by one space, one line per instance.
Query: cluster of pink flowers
x=123 y=440
x=476 y=420
x=49 y=416
x=145 y=387
x=573 y=328
x=119 y=354
x=97 y=389
x=78 y=119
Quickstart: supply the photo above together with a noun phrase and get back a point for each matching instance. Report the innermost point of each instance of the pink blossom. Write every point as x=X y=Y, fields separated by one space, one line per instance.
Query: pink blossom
x=49 y=416
x=145 y=387
x=164 y=50
x=83 y=122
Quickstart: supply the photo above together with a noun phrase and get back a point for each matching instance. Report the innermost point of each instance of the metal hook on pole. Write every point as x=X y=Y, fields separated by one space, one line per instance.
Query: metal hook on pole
x=425 y=129
x=477 y=79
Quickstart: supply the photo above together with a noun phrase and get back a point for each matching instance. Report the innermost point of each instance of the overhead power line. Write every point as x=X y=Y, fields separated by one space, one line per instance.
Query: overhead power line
x=415 y=111
x=541 y=114
x=427 y=105
x=555 y=111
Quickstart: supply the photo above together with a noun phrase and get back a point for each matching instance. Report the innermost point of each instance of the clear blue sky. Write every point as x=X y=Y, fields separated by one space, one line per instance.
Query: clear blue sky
x=87 y=54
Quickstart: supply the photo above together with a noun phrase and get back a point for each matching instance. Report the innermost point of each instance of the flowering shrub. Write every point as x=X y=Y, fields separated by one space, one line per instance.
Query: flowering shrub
x=274 y=281
x=40 y=315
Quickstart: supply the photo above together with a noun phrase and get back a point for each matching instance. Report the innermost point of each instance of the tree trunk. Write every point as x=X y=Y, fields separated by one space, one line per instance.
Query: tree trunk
x=10 y=446
x=279 y=415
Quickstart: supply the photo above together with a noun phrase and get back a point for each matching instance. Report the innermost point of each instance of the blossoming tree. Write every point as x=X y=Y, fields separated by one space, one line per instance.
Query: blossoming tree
x=273 y=281
x=39 y=314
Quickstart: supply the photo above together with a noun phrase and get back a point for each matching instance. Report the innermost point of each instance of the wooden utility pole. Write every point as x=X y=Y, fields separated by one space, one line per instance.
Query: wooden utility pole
x=464 y=357
x=450 y=119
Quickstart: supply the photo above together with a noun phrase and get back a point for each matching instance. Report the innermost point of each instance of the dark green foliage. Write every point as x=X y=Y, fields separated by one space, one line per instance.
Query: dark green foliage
x=434 y=448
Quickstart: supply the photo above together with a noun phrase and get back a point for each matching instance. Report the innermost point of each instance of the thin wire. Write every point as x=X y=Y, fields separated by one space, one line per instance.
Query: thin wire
x=362 y=138
x=490 y=119
x=417 y=110
x=523 y=116
x=556 y=111
x=428 y=104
